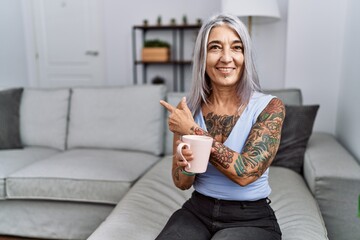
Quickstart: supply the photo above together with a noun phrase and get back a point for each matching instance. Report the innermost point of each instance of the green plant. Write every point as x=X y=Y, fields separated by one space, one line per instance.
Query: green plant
x=184 y=19
x=156 y=43
x=159 y=20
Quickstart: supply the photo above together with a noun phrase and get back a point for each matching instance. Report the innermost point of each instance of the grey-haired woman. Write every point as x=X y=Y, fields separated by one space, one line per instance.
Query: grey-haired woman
x=230 y=200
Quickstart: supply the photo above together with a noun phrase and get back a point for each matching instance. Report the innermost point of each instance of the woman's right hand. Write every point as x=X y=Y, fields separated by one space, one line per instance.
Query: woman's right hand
x=180 y=118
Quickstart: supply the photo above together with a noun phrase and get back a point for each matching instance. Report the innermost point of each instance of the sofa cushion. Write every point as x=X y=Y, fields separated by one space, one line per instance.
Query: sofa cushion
x=44 y=219
x=125 y=118
x=15 y=159
x=9 y=118
x=152 y=200
x=43 y=120
x=333 y=176
x=290 y=96
x=296 y=209
x=88 y=175
x=296 y=131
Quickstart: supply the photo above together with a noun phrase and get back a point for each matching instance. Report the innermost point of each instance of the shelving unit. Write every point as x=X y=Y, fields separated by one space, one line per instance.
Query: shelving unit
x=178 y=63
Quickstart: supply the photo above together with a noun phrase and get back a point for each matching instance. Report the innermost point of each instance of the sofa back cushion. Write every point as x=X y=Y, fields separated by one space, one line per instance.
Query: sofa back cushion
x=288 y=96
x=126 y=118
x=10 y=100
x=43 y=117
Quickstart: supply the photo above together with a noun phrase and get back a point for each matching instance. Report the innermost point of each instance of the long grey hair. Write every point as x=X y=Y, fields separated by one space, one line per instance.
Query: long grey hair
x=201 y=85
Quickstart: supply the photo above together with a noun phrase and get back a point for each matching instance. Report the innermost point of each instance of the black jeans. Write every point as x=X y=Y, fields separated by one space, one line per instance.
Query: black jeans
x=203 y=217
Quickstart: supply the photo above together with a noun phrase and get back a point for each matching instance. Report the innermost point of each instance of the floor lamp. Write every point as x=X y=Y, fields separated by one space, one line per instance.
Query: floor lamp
x=264 y=9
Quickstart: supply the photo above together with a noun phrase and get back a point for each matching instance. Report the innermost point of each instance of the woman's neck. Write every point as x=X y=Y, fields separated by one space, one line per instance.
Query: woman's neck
x=224 y=96
x=223 y=101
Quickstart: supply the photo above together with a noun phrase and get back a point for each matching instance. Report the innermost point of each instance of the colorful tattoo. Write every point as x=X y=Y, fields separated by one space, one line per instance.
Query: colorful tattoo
x=222 y=155
x=219 y=125
x=262 y=142
x=199 y=131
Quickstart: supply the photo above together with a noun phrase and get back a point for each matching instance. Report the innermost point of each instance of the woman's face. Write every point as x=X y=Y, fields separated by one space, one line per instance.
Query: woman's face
x=225 y=58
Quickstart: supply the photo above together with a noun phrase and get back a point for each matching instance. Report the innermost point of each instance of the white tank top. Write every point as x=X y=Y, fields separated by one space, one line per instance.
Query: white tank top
x=215 y=184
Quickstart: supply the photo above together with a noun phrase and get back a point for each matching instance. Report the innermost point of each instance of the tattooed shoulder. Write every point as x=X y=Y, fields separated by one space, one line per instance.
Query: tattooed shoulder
x=275 y=109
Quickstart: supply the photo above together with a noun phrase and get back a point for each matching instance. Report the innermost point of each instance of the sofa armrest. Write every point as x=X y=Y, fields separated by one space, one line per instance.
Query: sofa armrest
x=333 y=176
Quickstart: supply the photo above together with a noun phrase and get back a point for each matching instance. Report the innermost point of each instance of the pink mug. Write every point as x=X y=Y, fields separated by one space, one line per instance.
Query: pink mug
x=201 y=148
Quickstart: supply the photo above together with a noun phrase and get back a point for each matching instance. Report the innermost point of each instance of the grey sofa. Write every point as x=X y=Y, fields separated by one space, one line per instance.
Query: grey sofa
x=93 y=167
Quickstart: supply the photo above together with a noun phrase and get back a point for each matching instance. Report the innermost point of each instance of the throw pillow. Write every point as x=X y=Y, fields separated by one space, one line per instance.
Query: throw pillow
x=9 y=118
x=296 y=131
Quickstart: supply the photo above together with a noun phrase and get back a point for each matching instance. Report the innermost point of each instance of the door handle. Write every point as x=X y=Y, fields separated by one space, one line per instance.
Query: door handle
x=92 y=53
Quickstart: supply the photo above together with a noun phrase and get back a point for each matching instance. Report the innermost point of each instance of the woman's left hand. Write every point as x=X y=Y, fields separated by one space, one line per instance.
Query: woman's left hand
x=180 y=119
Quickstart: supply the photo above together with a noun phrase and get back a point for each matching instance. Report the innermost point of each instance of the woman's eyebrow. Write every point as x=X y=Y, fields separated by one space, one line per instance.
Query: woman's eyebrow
x=219 y=42
x=237 y=41
x=214 y=42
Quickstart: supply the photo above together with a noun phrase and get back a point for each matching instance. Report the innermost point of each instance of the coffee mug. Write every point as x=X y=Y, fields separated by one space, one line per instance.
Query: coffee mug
x=200 y=147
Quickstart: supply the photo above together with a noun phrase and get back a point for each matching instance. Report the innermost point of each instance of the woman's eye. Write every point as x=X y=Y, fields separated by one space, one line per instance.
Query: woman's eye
x=214 y=47
x=238 y=48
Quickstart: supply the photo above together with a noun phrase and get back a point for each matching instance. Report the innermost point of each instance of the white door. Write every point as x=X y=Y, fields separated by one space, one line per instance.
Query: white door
x=68 y=42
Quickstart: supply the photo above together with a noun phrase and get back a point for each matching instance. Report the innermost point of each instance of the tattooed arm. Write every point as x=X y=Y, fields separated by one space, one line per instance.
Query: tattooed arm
x=259 y=150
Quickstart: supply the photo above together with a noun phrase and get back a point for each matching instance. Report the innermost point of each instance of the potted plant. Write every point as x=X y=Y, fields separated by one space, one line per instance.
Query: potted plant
x=145 y=22
x=184 y=19
x=173 y=22
x=158 y=20
x=156 y=50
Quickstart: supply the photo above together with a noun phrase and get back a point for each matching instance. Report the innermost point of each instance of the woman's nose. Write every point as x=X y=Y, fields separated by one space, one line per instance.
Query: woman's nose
x=226 y=56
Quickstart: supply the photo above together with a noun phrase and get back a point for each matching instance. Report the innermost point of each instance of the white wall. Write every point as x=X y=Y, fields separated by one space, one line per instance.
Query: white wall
x=269 y=39
x=13 y=66
x=314 y=55
x=348 y=115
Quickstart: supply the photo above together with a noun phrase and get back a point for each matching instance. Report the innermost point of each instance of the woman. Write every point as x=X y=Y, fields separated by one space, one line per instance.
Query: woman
x=230 y=200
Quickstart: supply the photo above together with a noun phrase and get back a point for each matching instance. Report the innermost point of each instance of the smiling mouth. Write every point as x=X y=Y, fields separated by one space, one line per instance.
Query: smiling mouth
x=225 y=70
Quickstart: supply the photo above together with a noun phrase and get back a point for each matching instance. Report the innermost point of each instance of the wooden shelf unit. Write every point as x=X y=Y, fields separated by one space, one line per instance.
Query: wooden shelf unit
x=178 y=63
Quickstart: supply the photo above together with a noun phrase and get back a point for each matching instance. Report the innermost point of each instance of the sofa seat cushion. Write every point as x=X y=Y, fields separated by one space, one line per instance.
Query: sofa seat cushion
x=123 y=118
x=88 y=175
x=43 y=219
x=15 y=159
x=152 y=200
x=296 y=209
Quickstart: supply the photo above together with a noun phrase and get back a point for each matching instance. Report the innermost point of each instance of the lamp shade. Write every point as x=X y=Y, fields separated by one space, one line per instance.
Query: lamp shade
x=266 y=9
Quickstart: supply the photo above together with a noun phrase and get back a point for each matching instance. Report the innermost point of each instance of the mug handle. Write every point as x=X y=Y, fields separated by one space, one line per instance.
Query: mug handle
x=179 y=151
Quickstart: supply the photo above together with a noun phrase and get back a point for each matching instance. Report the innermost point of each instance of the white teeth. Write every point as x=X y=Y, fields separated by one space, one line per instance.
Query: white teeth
x=225 y=70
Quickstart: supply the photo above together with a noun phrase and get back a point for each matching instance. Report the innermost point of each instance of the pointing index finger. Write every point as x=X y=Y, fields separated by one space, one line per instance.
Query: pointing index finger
x=168 y=106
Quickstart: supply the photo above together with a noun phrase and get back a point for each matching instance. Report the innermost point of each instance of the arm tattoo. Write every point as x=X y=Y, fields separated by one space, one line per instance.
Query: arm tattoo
x=222 y=155
x=177 y=173
x=260 y=147
x=198 y=131
x=262 y=143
